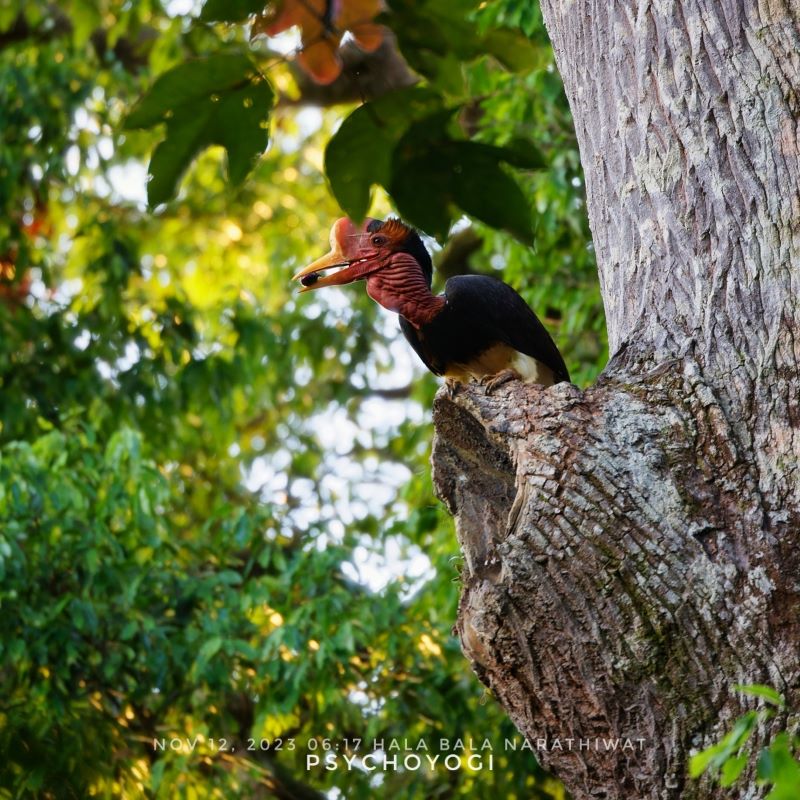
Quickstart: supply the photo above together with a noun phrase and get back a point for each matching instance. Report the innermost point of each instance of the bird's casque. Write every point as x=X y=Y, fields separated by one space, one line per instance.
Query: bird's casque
x=479 y=328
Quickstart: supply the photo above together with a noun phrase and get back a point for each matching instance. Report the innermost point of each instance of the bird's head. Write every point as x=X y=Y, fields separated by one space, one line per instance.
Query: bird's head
x=367 y=250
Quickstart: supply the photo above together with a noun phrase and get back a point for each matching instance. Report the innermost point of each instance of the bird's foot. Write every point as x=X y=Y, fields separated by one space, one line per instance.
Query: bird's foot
x=451 y=386
x=492 y=382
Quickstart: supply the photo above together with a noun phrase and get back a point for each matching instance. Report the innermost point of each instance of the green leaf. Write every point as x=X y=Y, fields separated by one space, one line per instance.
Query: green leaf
x=731 y=769
x=86 y=18
x=344 y=638
x=778 y=766
x=420 y=188
x=236 y=121
x=124 y=446
x=514 y=51
x=437 y=36
x=209 y=649
x=243 y=648
x=230 y=10
x=229 y=577
x=486 y=192
x=700 y=762
x=218 y=100
x=432 y=172
x=128 y=631
x=359 y=154
x=788 y=791
x=522 y=153
x=157 y=774
x=187 y=83
x=759 y=690
x=434 y=32
x=714 y=757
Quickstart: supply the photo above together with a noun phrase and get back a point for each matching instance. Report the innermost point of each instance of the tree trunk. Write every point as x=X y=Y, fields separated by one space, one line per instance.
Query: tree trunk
x=631 y=549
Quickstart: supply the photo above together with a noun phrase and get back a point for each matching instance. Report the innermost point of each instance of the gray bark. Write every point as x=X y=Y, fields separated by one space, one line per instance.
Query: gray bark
x=631 y=549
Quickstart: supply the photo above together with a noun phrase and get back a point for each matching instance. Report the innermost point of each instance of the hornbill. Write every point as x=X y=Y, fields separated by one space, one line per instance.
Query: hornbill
x=480 y=328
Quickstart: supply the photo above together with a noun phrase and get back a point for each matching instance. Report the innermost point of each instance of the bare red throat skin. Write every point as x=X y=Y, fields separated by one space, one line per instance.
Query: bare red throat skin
x=401 y=287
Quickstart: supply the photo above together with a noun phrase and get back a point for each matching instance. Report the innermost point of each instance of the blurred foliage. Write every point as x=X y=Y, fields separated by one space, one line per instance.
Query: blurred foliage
x=777 y=764
x=216 y=515
x=426 y=164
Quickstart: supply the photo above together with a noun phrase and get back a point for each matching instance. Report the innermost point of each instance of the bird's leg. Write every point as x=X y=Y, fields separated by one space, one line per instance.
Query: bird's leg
x=451 y=385
x=492 y=382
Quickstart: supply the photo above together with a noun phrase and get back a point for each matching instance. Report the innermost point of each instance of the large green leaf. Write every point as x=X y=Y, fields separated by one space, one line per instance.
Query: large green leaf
x=421 y=189
x=360 y=152
x=432 y=171
x=778 y=765
x=217 y=100
x=484 y=190
x=188 y=83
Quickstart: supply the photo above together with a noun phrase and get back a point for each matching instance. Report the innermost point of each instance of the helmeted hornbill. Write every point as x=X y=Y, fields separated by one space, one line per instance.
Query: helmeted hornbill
x=480 y=328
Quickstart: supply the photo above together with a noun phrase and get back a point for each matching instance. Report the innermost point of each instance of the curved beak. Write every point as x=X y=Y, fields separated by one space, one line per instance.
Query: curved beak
x=311 y=276
x=345 y=238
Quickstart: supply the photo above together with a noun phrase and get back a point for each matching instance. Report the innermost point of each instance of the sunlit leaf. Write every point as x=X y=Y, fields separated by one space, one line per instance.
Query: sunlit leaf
x=732 y=769
x=778 y=765
x=513 y=50
x=759 y=690
x=714 y=757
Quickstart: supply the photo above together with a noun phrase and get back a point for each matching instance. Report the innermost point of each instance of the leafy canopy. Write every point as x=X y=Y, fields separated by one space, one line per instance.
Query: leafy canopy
x=403 y=142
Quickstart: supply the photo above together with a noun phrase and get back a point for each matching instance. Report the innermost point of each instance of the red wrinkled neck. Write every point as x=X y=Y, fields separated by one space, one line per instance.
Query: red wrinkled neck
x=401 y=287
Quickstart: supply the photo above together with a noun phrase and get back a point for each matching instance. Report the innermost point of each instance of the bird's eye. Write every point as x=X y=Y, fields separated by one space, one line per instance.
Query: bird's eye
x=378 y=240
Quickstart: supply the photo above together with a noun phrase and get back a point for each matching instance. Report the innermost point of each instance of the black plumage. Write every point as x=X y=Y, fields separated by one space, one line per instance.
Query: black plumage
x=479 y=329
x=482 y=313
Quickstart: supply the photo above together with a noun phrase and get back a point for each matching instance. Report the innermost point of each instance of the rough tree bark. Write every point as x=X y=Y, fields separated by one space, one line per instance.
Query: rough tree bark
x=632 y=549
